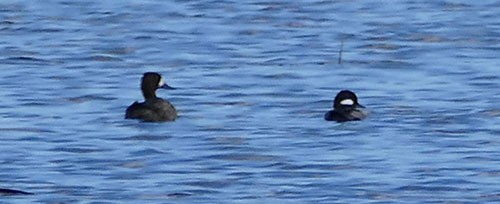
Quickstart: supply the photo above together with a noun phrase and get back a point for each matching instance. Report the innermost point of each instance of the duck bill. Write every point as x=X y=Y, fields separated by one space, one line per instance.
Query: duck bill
x=360 y=106
x=166 y=86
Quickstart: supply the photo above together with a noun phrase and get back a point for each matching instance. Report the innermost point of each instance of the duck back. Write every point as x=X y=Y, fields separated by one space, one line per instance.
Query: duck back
x=154 y=110
x=338 y=116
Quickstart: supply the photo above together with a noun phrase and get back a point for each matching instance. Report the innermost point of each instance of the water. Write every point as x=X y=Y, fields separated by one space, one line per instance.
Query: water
x=254 y=79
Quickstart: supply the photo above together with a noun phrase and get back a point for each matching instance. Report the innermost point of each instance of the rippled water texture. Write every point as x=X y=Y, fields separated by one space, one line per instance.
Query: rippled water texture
x=254 y=79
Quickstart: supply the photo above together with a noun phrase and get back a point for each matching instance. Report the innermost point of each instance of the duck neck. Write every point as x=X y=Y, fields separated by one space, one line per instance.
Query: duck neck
x=344 y=109
x=148 y=93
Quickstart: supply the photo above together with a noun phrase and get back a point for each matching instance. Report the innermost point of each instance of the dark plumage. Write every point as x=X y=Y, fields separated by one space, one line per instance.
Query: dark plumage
x=153 y=109
x=345 y=108
x=6 y=191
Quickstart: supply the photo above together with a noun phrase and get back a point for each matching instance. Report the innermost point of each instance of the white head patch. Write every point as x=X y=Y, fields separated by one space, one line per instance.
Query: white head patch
x=161 y=83
x=347 y=102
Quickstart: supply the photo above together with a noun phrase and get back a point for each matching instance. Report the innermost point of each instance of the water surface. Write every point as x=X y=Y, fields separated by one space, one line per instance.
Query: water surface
x=254 y=79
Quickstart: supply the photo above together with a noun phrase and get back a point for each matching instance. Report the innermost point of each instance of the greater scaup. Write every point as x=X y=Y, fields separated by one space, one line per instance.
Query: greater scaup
x=345 y=108
x=6 y=191
x=153 y=109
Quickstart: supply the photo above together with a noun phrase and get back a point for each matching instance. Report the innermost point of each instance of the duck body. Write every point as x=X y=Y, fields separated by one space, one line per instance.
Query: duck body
x=340 y=116
x=6 y=191
x=153 y=110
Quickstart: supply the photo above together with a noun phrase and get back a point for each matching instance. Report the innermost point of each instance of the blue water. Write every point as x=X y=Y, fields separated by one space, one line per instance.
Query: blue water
x=254 y=79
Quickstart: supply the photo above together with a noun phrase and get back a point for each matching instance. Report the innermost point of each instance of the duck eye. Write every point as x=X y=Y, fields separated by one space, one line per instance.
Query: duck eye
x=347 y=102
x=161 y=83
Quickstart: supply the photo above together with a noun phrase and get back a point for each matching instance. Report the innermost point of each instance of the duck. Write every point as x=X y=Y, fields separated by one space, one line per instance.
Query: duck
x=153 y=109
x=346 y=108
x=6 y=191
